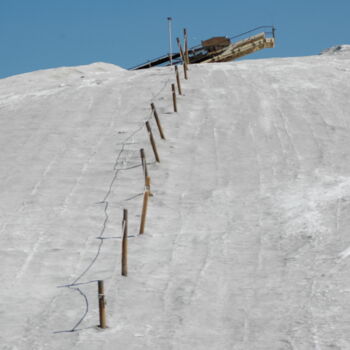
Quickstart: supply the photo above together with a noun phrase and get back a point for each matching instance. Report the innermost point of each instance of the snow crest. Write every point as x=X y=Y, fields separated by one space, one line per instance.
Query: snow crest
x=337 y=50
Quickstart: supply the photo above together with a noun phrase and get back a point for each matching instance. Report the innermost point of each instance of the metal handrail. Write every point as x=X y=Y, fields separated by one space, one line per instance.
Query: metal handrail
x=273 y=29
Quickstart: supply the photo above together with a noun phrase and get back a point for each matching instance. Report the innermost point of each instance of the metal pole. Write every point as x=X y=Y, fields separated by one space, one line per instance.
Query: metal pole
x=170 y=40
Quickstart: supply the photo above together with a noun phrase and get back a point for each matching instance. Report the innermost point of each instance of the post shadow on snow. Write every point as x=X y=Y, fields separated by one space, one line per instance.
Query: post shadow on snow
x=104 y=238
x=75 y=330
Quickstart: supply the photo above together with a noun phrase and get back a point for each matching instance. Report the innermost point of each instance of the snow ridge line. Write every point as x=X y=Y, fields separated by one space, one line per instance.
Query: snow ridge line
x=72 y=286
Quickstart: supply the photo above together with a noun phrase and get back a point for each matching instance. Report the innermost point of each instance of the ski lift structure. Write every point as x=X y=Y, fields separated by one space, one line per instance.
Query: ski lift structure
x=219 y=49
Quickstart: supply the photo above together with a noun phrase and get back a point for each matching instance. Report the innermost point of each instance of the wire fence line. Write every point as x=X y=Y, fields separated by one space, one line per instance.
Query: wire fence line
x=76 y=285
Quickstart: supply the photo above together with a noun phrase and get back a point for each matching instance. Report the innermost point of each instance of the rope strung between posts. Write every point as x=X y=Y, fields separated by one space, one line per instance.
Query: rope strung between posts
x=73 y=286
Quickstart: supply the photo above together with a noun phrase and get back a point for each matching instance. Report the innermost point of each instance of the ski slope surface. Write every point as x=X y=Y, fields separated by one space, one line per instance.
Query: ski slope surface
x=247 y=241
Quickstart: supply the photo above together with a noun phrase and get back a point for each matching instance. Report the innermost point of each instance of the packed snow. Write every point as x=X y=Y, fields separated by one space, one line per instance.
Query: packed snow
x=343 y=51
x=247 y=242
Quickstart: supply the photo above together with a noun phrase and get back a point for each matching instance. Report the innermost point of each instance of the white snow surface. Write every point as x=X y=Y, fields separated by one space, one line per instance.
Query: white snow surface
x=247 y=242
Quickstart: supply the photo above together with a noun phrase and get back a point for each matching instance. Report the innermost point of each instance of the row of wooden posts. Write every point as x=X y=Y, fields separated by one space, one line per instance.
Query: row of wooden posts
x=147 y=179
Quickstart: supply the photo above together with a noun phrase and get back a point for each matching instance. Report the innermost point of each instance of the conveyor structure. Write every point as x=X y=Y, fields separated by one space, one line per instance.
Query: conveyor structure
x=220 y=49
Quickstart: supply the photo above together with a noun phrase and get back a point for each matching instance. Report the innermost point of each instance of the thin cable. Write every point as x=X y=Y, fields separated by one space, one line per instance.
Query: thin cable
x=133 y=197
x=77 y=284
x=99 y=246
x=105 y=222
x=131 y=167
x=74 y=329
x=253 y=30
x=86 y=309
x=116 y=171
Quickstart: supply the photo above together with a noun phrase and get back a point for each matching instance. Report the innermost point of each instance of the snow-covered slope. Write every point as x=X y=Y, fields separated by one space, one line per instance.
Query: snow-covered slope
x=341 y=51
x=247 y=241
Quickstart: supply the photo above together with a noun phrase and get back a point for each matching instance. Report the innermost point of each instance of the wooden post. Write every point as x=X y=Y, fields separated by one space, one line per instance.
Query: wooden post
x=182 y=57
x=174 y=97
x=148 y=186
x=155 y=113
x=125 y=244
x=144 y=211
x=180 y=48
x=144 y=163
x=186 y=48
x=178 y=80
x=185 y=70
x=102 y=304
x=154 y=147
x=145 y=171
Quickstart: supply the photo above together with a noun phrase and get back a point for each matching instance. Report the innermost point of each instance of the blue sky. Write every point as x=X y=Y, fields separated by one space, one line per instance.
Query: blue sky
x=40 y=34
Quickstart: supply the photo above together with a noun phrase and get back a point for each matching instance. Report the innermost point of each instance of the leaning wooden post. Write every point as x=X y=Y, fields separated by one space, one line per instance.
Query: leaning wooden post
x=144 y=210
x=102 y=304
x=178 y=80
x=180 y=48
x=144 y=163
x=125 y=244
x=186 y=48
x=174 y=97
x=182 y=57
x=156 y=117
x=154 y=147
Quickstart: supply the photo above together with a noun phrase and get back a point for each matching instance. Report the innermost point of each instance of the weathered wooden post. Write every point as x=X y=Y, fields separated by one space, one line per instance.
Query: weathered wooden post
x=102 y=305
x=154 y=147
x=148 y=186
x=180 y=48
x=144 y=208
x=186 y=48
x=145 y=171
x=178 y=80
x=185 y=70
x=174 y=97
x=182 y=57
x=156 y=117
x=144 y=163
x=125 y=244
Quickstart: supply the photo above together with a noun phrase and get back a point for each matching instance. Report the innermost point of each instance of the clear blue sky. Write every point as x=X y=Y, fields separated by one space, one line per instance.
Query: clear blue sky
x=39 y=34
